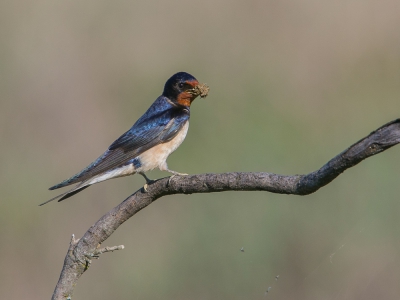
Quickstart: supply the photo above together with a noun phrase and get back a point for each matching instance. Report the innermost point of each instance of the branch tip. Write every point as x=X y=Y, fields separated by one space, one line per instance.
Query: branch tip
x=72 y=239
x=108 y=249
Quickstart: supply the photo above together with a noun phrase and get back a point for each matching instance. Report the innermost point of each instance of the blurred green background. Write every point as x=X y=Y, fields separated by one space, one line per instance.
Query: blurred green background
x=293 y=83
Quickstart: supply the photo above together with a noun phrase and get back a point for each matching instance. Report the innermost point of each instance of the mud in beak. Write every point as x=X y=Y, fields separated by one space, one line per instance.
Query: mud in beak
x=200 y=89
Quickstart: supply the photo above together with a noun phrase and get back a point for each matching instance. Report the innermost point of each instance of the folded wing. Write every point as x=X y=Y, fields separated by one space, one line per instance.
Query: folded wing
x=145 y=134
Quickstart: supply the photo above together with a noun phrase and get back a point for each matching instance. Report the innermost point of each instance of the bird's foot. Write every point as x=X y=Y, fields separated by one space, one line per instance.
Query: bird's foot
x=174 y=173
x=148 y=181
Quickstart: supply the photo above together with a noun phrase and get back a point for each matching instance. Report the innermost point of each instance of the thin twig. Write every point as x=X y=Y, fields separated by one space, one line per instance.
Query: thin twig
x=97 y=252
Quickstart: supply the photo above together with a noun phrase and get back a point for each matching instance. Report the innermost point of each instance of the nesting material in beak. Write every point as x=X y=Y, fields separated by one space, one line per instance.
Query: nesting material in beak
x=200 y=90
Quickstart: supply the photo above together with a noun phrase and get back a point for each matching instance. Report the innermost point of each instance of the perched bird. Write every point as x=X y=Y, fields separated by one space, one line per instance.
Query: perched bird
x=149 y=142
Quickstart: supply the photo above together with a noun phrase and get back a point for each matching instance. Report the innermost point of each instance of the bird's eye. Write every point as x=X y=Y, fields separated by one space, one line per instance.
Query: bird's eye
x=181 y=85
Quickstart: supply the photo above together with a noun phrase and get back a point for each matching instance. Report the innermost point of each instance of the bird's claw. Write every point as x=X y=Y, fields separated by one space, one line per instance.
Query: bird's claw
x=175 y=174
x=169 y=180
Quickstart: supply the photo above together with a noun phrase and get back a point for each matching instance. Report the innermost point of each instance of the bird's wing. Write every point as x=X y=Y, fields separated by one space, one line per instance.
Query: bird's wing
x=147 y=133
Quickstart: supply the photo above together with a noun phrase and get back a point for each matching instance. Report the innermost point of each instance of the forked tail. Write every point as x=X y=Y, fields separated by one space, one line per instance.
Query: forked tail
x=67 y=194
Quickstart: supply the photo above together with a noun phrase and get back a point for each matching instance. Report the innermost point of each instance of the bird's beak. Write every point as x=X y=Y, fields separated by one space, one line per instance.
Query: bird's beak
x=199 y=89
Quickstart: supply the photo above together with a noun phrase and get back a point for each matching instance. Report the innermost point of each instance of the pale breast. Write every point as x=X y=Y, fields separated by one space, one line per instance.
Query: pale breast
x=156 y=156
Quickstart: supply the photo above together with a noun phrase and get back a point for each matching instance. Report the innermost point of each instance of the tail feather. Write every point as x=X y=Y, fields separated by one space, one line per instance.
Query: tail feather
x=82 y=175
x=66 y=182
x=67 y=194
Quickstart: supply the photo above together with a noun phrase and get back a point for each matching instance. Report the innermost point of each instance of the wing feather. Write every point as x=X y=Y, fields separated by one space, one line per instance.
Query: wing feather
x=145 y=134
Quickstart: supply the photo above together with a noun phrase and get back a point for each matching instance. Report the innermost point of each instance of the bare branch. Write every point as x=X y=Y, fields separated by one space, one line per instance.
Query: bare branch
x=80 y=251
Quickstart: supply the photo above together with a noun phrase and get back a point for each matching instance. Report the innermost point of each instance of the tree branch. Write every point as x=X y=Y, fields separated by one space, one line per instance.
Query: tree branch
x=80 y=251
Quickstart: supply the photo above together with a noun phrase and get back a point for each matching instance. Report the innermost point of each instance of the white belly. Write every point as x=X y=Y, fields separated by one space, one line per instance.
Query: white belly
x=157 y=156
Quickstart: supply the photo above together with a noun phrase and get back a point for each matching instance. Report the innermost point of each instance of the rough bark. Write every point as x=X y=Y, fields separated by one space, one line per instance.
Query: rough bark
x=81 y=251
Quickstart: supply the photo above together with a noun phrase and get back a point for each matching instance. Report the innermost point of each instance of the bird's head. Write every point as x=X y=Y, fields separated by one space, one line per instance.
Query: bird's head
x=182 y=88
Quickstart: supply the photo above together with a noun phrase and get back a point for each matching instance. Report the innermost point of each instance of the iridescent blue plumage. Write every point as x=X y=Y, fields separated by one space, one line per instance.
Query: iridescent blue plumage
x=154 y=120
x=147 y=144
x=159 y=124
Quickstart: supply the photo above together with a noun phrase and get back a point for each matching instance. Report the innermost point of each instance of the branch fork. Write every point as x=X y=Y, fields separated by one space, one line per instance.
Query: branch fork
x=89 y=255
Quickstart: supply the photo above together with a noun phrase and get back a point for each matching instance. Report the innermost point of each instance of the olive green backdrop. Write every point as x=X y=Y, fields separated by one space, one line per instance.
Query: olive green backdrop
x=293 y=83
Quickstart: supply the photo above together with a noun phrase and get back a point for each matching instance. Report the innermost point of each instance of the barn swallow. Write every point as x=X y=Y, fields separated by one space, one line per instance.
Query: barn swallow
x=148 y=143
